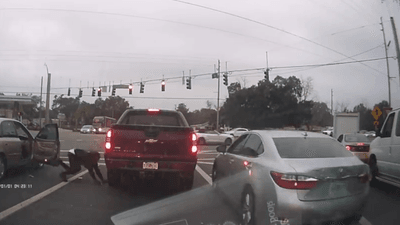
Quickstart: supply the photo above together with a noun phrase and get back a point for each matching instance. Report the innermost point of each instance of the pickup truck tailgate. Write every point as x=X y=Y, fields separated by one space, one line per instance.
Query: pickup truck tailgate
x=152 y=142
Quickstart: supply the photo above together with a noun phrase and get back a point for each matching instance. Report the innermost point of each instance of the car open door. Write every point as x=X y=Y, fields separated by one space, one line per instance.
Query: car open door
x=47 y=144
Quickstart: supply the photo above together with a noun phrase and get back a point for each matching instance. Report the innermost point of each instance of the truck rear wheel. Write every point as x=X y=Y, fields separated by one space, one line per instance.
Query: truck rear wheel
x=113 y=177
x=188 y=183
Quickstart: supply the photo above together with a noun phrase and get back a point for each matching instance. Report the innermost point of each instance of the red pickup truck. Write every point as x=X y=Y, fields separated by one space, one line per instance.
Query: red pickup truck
x=151 y=144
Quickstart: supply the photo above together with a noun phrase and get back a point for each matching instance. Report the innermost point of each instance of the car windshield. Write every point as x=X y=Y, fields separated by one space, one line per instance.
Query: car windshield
x=147 y=90
x=310 y=148
x=356 y=138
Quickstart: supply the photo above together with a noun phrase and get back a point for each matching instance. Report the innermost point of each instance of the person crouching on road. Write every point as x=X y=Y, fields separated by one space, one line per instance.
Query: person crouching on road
x=87 y=158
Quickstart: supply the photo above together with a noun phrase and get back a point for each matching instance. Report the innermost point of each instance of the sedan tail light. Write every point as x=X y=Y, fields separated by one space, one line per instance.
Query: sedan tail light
x=291 y=181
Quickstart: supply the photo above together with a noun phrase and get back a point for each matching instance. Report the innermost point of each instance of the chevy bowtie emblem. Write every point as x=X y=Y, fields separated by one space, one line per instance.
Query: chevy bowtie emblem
x=150 y=141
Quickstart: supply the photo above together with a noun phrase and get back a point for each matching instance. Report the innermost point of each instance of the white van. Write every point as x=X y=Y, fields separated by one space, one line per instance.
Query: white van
x=384 y=157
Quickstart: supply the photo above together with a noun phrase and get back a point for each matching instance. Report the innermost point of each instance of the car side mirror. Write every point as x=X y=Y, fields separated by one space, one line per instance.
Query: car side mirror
x=221 y=148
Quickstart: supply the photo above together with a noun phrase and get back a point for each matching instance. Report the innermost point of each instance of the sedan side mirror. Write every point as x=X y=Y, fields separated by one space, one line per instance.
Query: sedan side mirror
x=221 y=148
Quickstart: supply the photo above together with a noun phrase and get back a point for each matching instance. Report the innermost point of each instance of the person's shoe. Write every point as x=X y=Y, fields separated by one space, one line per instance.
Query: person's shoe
x=63 y=177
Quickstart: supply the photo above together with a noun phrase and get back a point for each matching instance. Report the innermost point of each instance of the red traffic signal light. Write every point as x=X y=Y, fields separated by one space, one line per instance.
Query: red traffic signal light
x=163 y=85
x=130 y=89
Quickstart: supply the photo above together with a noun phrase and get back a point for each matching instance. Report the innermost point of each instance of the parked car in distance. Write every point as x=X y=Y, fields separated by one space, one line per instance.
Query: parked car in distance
x=88 y=129
x=18 y=147
x=356 y=143
x=328 y=131
x=370 y=134
x=298 y=177
x=384 y=158
x=214 y=137
x=236 y=132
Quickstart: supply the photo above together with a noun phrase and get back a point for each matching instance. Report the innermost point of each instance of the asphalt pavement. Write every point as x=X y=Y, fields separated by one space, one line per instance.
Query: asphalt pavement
x=40 y=197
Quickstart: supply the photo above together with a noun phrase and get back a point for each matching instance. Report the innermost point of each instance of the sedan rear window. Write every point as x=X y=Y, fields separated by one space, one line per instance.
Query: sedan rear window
x=356 y=138
x=310 y=148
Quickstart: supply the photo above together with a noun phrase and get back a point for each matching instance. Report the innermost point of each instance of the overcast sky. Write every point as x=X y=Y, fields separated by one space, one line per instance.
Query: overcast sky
x=101 y=42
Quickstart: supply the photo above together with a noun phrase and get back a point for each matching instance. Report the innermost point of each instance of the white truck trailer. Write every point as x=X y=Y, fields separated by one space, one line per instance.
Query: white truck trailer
x=345 y=123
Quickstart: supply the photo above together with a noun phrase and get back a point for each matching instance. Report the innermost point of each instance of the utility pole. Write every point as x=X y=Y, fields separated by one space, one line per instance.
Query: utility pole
x=396 y=41
x=387 y=63
x=48 y=95
x=40 y=104
x=219 y=75
x=331 y=101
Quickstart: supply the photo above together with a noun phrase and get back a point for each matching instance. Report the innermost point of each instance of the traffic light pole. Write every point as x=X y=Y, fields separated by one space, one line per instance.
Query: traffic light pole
x=40 y=104
x=219 y=77
x=48 y=96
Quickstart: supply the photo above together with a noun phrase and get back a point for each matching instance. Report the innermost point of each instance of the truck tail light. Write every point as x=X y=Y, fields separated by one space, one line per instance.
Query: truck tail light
x=350 y=148
x=291 y=181
x=193 y=141
x=109 y=140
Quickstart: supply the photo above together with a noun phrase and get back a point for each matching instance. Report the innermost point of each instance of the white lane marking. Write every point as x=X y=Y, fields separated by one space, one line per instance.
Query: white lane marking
x=206 y=159
x=78 y=139
x=207 y=163
x=182 y=220
x=209 y=151
x=37 y=197
x=101 y=164
x=204 y=174
x=364 y=221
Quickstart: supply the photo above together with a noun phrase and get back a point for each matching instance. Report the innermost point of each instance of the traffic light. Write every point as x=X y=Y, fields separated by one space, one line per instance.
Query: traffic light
x=141 y=87
x=69 y=91
x=189 y=83
x=113 y=92
x=163 y=85
x=130 y=89
x=80 y=93
x=93 y=92
x=226 y=79
x=99 y=92
x=266 y=74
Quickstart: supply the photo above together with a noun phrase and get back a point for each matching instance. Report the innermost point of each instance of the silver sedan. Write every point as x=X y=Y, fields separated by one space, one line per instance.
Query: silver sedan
x=291 y=177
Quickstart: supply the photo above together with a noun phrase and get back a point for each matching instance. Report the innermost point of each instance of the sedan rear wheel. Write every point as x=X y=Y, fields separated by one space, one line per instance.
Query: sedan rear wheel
x=248 y=207
x=3 y=167
x=214 y=177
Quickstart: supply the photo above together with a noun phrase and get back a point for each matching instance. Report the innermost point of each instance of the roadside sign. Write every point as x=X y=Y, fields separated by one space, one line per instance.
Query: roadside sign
x=376 y=113
x=376 y=123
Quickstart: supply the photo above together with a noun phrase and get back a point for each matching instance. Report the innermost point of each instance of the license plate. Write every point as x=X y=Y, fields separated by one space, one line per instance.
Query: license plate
x=362 y=155
x=337 y=188
x=150 y=165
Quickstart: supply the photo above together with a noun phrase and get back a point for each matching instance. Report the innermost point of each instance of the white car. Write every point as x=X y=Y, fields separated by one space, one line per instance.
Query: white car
x=214 y=137
x=236 y=132
x=328 y=132
x=384 y=159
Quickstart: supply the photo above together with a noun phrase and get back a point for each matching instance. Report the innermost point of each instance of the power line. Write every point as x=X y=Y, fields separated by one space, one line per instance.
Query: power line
x=272 y=27
x=331 y=64
x=336 y=60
